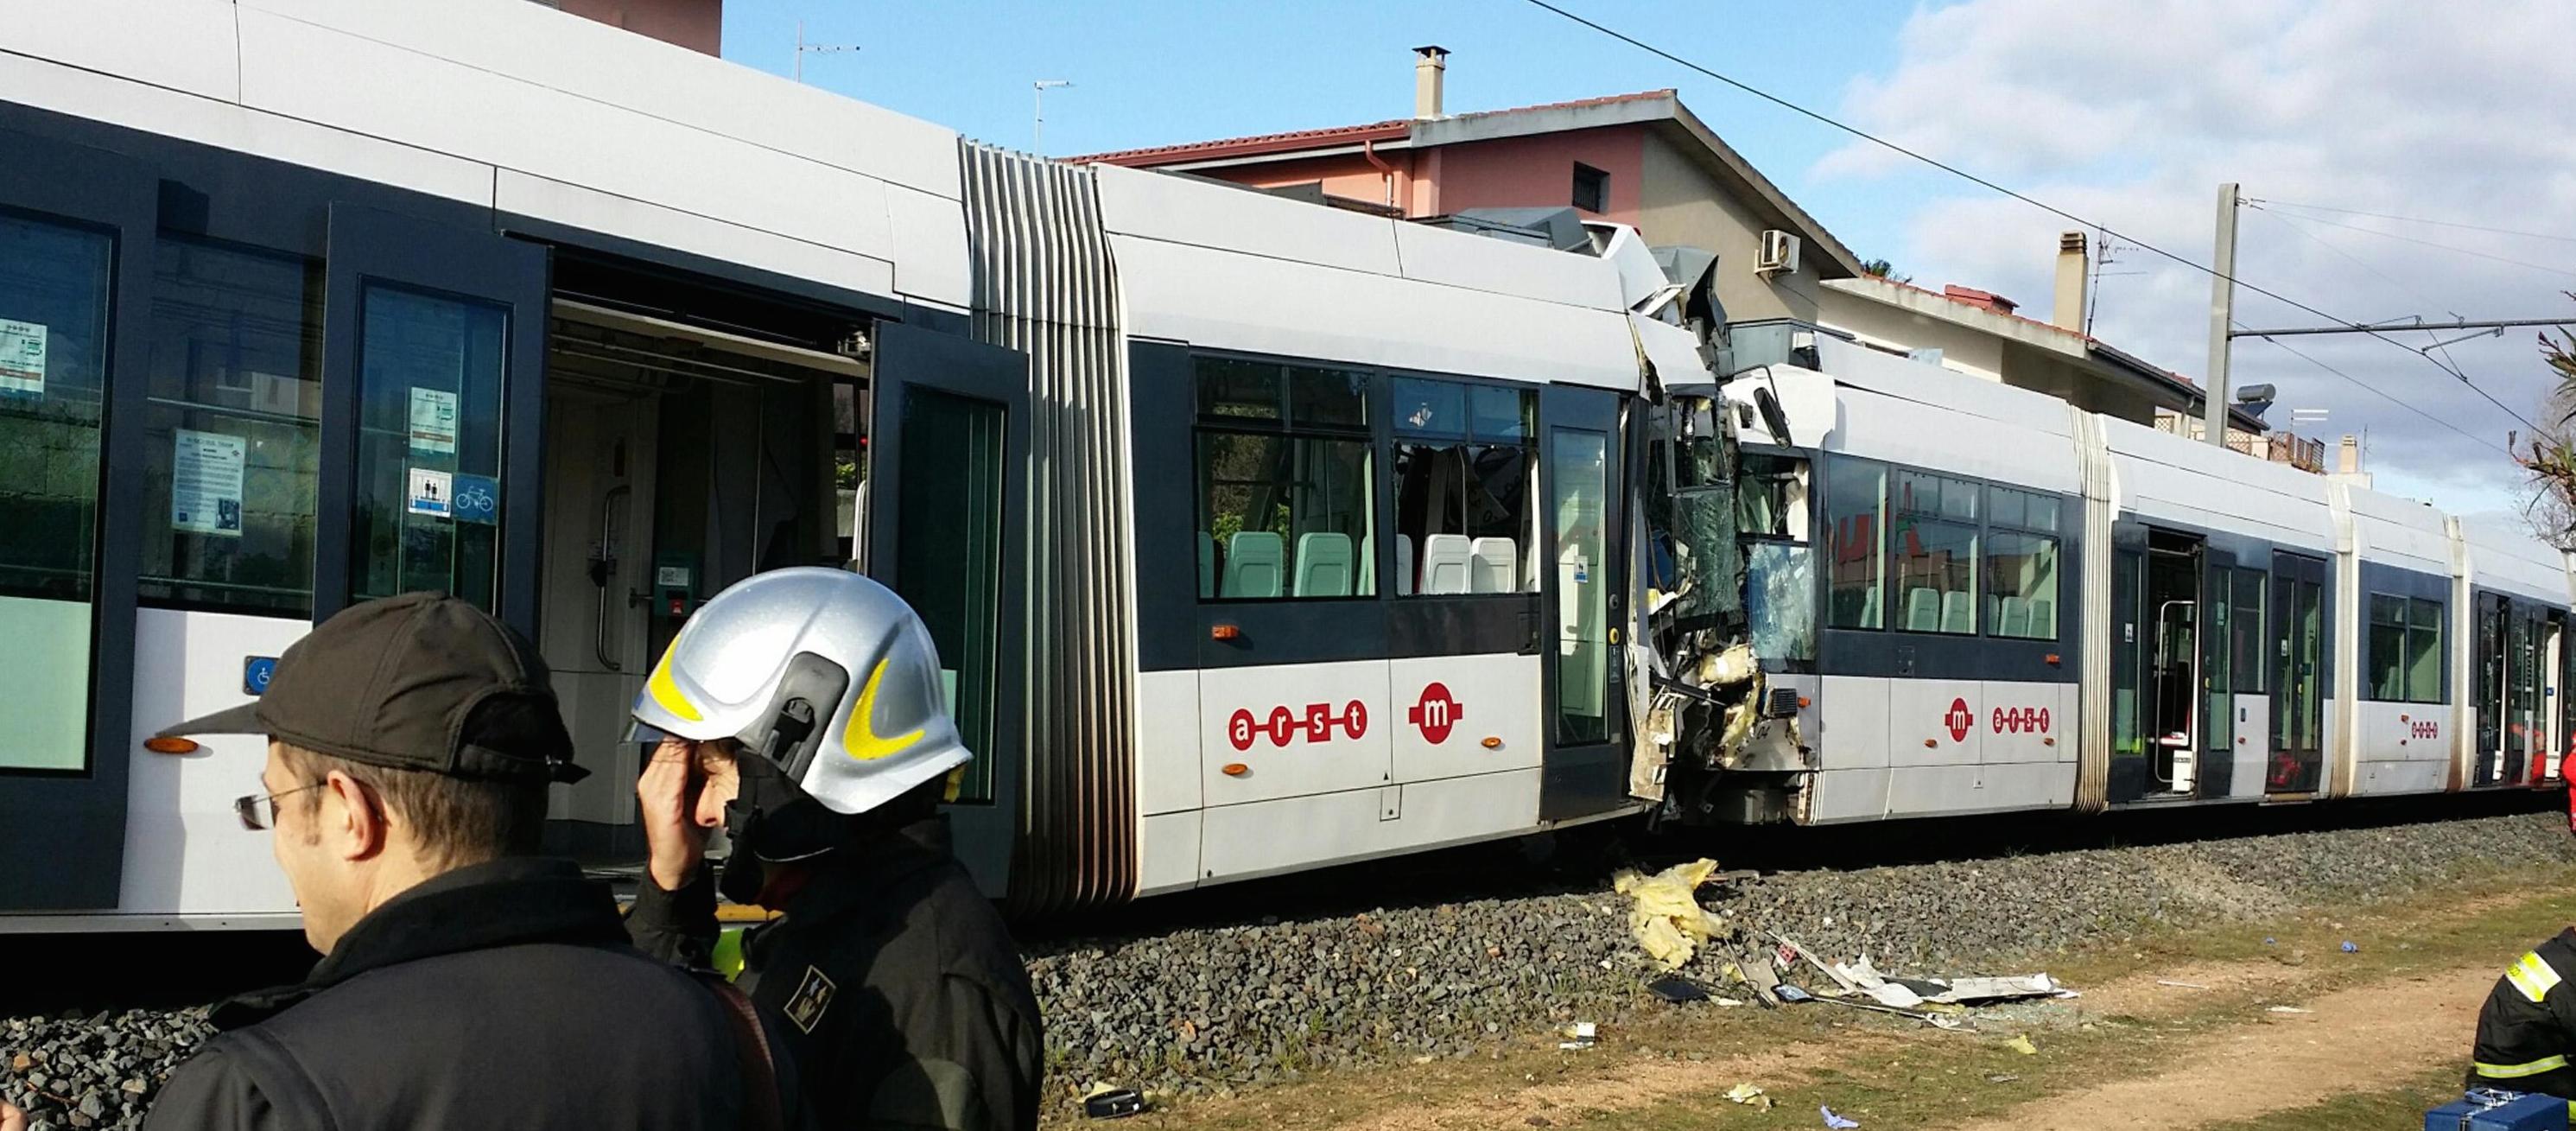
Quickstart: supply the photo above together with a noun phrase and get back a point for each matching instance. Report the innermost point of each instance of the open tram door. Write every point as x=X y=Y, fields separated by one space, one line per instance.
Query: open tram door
x=943 y=514
x=2298 y=675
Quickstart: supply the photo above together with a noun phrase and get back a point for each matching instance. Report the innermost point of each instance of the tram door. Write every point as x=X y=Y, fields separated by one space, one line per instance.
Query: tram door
x=945 y=504
x=2298 y=675
x=2175 y=663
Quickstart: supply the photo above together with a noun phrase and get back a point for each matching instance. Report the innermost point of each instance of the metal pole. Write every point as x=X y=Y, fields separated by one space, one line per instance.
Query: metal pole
x=800 y=51
x=2222 y=310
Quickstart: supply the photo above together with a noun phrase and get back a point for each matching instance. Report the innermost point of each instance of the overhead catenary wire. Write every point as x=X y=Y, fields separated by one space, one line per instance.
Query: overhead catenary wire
x=2451 y=363
x=2385 y=395
x=2441 y=246
x=2042 y=205
x=2416 y=220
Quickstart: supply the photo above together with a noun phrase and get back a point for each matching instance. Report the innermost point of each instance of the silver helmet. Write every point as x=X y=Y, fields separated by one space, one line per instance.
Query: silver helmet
x=825 y=672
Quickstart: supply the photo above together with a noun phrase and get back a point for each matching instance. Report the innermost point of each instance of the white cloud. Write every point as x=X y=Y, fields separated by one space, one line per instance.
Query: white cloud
x=2131 y=114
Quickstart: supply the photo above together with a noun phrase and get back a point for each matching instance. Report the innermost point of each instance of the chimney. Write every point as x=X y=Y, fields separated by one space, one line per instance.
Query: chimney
x=2348 y=460
x=2073 y=276
x=1429 y=65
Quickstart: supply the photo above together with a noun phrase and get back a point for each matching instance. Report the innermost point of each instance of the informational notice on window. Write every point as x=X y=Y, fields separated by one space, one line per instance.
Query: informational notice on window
x=22 y=358
x=433 y=421
x=206 y=482
x=430 y=492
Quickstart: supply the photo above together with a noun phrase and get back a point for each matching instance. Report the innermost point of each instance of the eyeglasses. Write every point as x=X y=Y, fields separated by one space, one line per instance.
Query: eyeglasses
x=246 y=807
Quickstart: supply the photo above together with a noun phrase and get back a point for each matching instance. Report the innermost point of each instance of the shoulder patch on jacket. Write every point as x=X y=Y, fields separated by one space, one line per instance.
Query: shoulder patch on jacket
x=813 y=996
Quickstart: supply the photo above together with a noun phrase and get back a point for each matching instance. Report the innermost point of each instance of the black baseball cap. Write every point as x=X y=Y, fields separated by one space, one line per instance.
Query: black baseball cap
x=422 y=681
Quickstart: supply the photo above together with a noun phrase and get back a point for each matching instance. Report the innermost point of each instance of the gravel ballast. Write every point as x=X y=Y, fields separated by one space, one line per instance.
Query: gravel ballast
x=1214 y=1008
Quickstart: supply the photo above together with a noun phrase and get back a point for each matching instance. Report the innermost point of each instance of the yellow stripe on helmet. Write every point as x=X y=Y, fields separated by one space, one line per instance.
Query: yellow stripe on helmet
x=667 y=692
x=860 y=736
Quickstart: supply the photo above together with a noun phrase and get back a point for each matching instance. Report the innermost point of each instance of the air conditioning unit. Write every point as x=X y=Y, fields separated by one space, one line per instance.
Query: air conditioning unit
x=1779 y=253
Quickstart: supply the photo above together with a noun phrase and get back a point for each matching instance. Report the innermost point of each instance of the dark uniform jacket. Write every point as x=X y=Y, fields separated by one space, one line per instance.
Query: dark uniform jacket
x=904 y=1000
x=502 y=994
x=2528 y=1029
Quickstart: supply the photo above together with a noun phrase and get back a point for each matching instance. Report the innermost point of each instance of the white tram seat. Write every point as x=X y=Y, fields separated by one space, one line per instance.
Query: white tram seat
x=1254 y=561
x=1959 y=613
x=1446 y=560
x=1207 y=564
x=2012 y=616
x=1403 y=565
x=2043 y=617
x=1869 y=608
x=1366 y=567
x=1323 y=565
x=1922 y=609
x=1496 y=565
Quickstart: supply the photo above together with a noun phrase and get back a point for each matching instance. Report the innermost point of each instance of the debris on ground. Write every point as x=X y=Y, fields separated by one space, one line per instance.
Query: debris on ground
x=2001 y=1077
x=1105 y=1102
x=2349 y=948
x=2181 y=985
x=1579 y=1035
x=1678 y=990
x=2021 y=1044
x=1836 y=1122
x=1665 y=915
x=2288 y=1009
x=1747 y=1093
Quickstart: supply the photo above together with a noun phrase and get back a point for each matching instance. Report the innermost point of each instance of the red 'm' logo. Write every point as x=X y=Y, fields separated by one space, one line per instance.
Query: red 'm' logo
x=1959 y=720
x=1435 y=713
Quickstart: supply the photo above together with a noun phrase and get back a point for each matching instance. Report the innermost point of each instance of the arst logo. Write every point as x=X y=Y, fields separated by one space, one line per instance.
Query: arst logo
x=1959 y=719
x=1435 y=713
x=2021 y=720
x=1284 y=725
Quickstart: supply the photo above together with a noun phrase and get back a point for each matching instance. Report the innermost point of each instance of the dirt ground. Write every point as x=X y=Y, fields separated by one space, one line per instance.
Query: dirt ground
x=2268 y=1023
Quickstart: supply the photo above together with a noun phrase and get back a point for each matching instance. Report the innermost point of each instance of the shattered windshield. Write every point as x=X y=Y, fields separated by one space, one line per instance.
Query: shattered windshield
x=1780 y=599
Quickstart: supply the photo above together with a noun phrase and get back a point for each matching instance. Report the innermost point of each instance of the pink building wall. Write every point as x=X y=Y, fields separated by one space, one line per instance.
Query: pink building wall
x=695 y=24
x=1538 y=171
x=1519 y=172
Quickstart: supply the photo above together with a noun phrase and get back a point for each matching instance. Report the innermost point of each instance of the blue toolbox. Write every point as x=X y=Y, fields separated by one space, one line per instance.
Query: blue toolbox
x=2485 y=1109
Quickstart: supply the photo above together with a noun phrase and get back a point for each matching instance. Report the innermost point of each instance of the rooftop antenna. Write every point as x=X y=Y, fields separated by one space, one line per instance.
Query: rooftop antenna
x=803 y=48
x=1037 y=129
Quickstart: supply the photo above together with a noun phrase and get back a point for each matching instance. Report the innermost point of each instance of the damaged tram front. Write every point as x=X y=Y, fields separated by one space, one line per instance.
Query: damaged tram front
x=1729 y=608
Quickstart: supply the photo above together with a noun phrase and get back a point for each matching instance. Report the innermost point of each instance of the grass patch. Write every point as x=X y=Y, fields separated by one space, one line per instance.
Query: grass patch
x=2401 y=1106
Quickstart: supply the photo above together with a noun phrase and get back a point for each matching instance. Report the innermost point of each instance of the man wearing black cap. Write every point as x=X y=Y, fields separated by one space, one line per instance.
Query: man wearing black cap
x=464 y=982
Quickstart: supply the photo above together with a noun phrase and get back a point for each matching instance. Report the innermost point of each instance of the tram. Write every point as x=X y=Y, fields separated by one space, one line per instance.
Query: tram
x=1256 y=535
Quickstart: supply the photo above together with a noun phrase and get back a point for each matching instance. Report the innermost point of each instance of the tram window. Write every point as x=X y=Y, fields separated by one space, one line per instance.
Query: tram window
x=1463 y=470
x=1934 y=551
x=2405 y=649
x=429 y=437
x=2387 y=648
x=54 y=283
x=2424 y=649
x=1855 y=517
x=1284 y=466
x=2021 y=585
x=2245 y=632
x=2021 y=564
x=1771 y=498
x=233 y=430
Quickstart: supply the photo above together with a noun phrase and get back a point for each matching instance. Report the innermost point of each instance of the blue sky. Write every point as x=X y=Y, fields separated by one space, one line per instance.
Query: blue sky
x=2129 y=114
x=1153 y=73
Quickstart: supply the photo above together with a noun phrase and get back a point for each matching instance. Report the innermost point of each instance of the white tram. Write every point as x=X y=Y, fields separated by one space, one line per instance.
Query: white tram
x=1258 y=535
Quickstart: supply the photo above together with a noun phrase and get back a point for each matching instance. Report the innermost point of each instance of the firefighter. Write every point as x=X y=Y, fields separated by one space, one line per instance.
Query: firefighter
x=803 y=712
x=2527 y=1030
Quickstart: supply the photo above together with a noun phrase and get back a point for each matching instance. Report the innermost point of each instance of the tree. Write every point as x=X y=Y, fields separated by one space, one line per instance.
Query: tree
x=1881 y=268
x=2551 y=460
